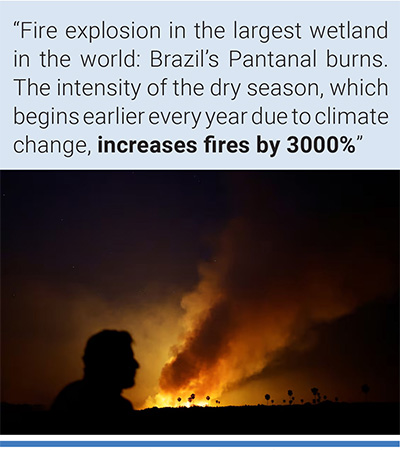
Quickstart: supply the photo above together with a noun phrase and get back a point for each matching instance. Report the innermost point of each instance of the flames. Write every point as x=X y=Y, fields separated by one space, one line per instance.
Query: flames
x=165 y=400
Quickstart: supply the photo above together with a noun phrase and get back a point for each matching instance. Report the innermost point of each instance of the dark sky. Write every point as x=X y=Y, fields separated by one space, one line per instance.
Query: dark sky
x=316 y=253
x=128 y=227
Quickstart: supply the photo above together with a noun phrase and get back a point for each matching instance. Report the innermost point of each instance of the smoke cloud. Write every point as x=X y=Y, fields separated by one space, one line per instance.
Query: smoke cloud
x=277 y=272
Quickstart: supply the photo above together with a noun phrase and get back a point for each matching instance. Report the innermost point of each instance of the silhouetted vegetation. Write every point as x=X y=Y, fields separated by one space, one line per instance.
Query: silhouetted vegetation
x=365 y=389
x=324 y=418
x=314 y=391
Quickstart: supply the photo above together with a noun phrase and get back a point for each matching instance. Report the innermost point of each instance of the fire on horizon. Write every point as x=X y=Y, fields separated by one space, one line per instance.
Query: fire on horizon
x=233 y=284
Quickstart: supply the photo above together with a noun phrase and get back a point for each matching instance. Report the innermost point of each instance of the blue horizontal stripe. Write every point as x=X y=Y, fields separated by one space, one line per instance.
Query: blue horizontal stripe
x=199 y=443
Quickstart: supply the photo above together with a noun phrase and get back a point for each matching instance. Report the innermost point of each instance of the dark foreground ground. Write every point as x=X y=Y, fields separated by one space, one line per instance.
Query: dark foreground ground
x=323 y=418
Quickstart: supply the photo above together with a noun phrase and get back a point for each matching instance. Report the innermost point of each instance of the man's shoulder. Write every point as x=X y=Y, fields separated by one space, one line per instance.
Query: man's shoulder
x=69 y=395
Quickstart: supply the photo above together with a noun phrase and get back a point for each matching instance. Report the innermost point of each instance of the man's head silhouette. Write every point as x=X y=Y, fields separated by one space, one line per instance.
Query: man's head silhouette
x=95 y=404
x=109 y=360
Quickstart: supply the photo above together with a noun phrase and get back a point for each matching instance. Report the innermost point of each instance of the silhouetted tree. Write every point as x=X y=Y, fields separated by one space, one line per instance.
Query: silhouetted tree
x=302 y=401
x=284 y=401
x=272 y=401
x=365 y=389
x=314 y=391
x=267 y=397
x=179 y=399
x=325 y=397
x=336 y=399
x=208 y=398
x=289 y=392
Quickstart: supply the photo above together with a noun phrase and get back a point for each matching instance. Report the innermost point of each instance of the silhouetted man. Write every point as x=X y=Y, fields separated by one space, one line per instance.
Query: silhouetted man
x=94 y=404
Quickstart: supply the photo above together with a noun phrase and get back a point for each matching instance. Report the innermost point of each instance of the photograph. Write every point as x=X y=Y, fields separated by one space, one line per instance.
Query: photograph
x=200 y=302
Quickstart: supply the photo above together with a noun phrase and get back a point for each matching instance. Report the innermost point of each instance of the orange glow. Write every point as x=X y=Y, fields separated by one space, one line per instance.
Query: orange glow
x=163 y=400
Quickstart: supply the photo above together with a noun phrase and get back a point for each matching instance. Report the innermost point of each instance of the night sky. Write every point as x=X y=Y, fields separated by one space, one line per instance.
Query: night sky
x=232 y=284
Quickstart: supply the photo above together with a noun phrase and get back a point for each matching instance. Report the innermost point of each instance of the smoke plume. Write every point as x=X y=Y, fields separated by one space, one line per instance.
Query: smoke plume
x=276 y=273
